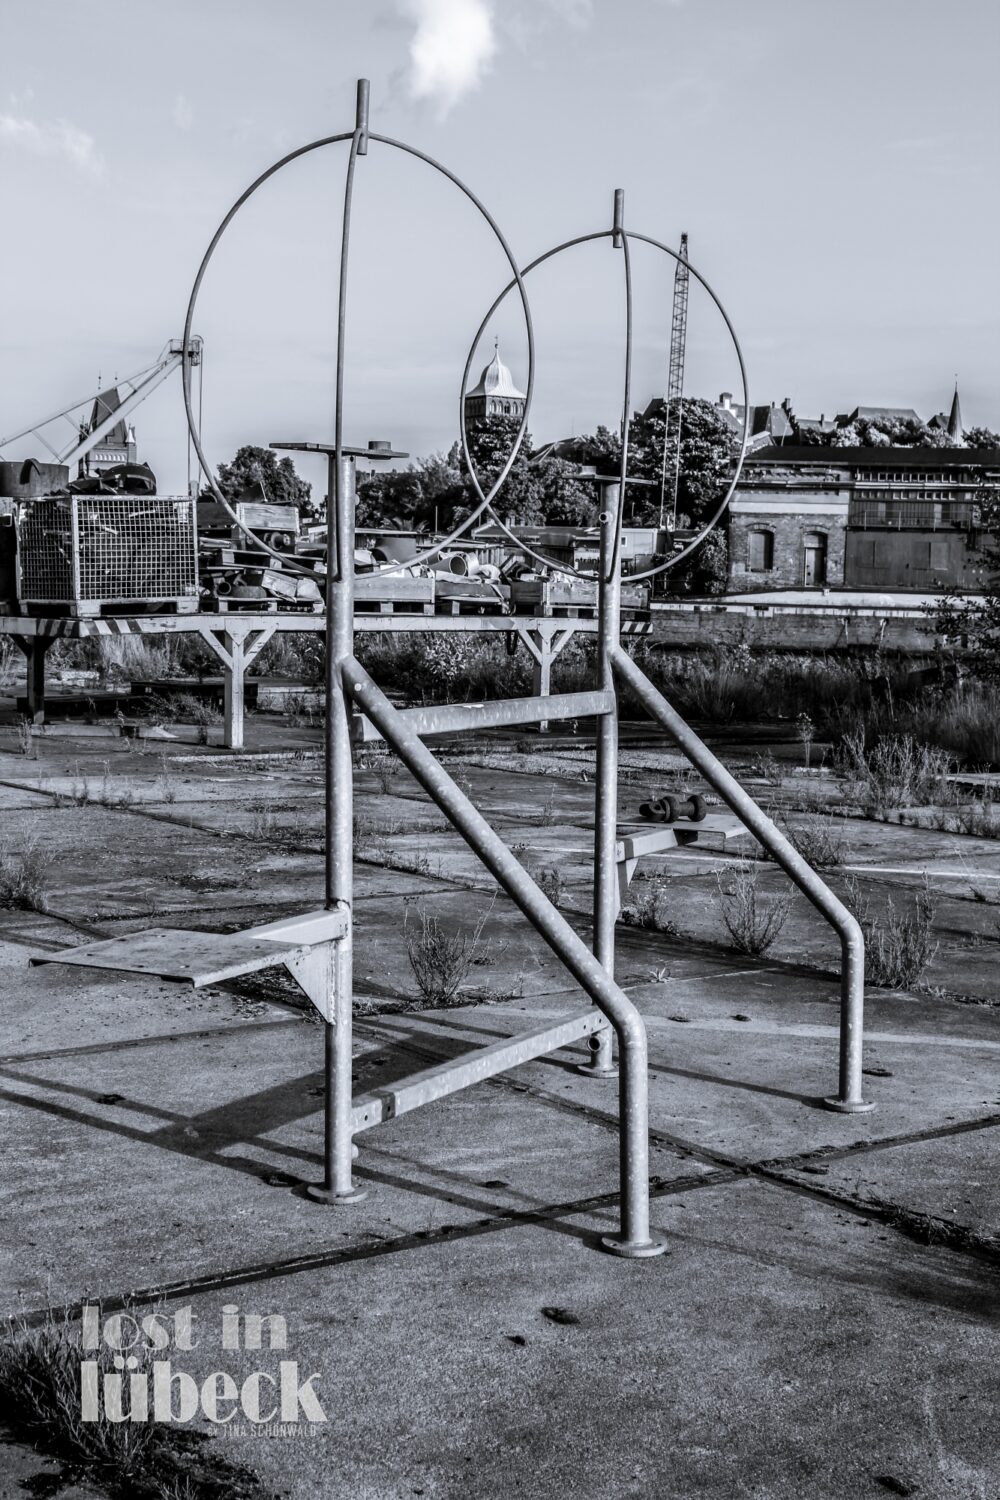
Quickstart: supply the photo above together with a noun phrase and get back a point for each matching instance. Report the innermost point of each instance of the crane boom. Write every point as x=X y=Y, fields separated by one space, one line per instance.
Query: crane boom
x=675 y=380
x=143 y=383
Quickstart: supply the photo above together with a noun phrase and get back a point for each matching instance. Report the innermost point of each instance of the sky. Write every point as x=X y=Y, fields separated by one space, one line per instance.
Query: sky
x=835 y=168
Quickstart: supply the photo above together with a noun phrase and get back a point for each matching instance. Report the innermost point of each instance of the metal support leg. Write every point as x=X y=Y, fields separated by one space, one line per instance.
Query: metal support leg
x=601 y=1064
x=338 y=1184
x=35 y=648
x=233 y=691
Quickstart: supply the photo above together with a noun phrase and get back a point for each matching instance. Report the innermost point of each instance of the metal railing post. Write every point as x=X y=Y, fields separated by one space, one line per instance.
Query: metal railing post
x=338 y=1144
x=634 y=1240
x=849 y=1098
x=601 y=1064
x=338 y=1184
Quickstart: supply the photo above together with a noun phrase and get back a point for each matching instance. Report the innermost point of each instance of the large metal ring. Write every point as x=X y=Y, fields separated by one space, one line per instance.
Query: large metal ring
x=677 y=557
x=189 y=320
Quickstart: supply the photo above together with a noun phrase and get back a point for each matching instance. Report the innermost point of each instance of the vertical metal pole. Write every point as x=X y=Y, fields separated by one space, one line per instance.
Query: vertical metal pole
x=338 y=1185
x=602 y=1064
x=35 y=650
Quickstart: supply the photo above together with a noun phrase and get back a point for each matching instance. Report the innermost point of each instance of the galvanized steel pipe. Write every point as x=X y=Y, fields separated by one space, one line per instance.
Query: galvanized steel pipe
x=849 y=1098
x=634 y=1240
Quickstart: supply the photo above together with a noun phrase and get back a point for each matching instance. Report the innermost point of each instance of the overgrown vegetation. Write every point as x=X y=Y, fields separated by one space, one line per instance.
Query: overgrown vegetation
x=895 y=772
x=648 y=906
x=820 y=841
x=40 y=1402
x=899 y=944
x=752 y=919
x=22 y=877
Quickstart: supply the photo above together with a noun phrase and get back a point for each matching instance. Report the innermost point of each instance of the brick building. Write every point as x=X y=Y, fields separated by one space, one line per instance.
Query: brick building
x=881 y=518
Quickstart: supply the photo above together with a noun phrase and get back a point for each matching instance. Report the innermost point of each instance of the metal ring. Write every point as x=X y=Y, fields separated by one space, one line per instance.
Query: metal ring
x=189 y=319
x=678 y=556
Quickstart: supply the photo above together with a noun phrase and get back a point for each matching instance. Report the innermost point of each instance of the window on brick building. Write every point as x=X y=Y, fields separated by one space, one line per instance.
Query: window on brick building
x=760 y=552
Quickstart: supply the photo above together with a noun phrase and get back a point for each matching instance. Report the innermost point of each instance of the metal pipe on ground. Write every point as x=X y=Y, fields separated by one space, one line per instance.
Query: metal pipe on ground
x=634 y=1239
x=849 y=1098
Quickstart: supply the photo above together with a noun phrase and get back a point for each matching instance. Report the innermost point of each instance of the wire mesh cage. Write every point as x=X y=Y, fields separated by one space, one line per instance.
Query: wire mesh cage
x=89 y=550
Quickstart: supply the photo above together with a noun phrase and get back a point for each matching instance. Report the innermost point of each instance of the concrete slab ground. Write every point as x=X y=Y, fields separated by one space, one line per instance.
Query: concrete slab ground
x=825 y=1320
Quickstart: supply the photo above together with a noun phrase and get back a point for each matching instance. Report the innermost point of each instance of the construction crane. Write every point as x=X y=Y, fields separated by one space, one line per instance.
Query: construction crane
x=675 y=384
x=141 y=384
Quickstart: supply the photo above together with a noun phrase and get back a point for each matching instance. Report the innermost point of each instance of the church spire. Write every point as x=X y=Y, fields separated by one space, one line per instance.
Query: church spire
x=955 y=429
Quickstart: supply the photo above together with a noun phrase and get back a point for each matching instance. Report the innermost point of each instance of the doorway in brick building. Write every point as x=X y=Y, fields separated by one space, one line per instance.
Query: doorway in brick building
x=814 y=565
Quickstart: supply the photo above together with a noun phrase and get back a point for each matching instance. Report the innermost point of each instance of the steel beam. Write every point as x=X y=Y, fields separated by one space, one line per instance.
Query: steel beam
x=472 y=1067
x=450 y=718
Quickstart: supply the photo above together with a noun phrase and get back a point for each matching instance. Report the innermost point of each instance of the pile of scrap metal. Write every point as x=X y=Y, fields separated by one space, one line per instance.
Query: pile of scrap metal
x=233 y=568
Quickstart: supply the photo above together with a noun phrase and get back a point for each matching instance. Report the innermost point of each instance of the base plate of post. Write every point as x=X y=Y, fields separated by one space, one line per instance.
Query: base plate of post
x=632 y=1249
x=848 y=1106
x=591 y=1070
x=321 y=1194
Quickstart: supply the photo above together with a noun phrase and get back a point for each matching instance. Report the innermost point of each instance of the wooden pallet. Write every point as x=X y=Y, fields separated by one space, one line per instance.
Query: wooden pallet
x=392 y=607
x=468 y=606
x=262 y=606
x=96 y=609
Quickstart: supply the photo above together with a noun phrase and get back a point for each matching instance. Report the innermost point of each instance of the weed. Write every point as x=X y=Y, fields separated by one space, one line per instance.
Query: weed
x=895 y=772
x=41 y=1380
x=550 y=882
x=752 y=921
x=821 y=842
x=647 y=907
x=764 y=767
x=898 y=945
x=385 y=766
x=980 y=819
x=805 y=731
x=441 y=960
x=22 y=877
x=26 y=739
x=547 y=815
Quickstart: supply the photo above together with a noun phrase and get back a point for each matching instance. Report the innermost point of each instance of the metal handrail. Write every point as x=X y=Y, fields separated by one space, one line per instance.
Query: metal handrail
x=849 y=1098
x=634 y=1239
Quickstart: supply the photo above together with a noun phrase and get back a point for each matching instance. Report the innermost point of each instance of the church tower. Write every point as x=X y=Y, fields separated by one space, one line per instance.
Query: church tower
x=496 y=395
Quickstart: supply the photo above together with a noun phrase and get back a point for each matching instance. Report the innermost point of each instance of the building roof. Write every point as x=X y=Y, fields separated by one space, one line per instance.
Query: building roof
x=881 y=457
x=496 y=380
x=104 y=404
x=881 y=413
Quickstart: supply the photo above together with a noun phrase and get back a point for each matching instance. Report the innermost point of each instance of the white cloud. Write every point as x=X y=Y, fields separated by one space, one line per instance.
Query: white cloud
x=51 y=138
x=451 y=49
x=183 y=114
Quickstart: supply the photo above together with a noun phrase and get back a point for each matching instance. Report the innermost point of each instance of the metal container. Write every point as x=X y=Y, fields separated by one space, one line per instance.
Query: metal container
x=85 y=551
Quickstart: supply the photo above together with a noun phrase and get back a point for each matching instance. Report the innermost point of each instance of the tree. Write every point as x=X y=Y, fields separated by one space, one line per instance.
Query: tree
x=889 y=432
x=707 y=452
x=432 y=494
x=521 y=497
x=982 y=437
x=277 y=478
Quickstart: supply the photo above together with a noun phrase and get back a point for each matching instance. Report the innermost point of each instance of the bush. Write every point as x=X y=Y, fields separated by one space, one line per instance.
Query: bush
x=898 y=946
x=22 y=877
x=647 y=907
x=441 y=960
x=752 y=920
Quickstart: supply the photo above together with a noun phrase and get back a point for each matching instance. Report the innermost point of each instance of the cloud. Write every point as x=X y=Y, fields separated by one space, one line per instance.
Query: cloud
x=451 y=49
x=52 y=138
x=183 y=114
